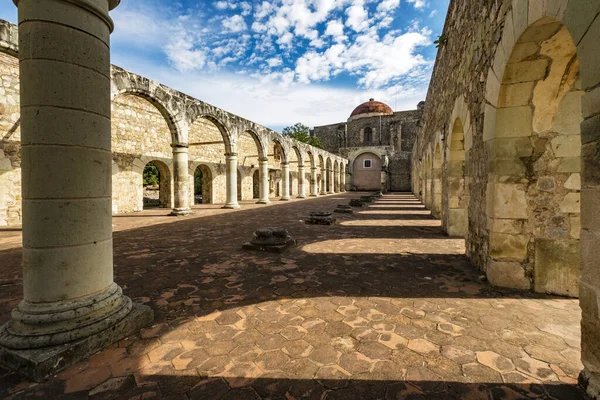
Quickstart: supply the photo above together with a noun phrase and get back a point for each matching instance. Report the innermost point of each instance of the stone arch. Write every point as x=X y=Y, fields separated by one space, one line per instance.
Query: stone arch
x=436 y=179
x=296 y=160
x=366 y=171
x=165 y=186
x=336 y=176
x=224 y=132
x=202 y=187
x=139 y=134
x=280 y=149
x=328 y=170
x=533 y=133
x=168 y=115
x=455 y=198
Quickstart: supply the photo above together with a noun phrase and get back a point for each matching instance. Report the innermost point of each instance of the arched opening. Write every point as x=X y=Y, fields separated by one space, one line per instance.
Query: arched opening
x=366 y=172
x=336 y=177
x=276 y=156
x=328 y=170
x=456 y=220
x=139 y=134
x=436 y=182
x=294 y=172
x=240 y=189
x=202 y=185
x=255 y=185
x=534 y=168
x=249 y=152
x=208 y=144
x=368 y=136
x=321 y=175
x=156 y=179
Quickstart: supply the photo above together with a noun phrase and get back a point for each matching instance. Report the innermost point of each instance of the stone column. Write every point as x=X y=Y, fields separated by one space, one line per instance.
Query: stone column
x=323 y=181
x=314 y=184
x=231 y=176
x=71 y=307
x=343 y=180
x=263 y=181
x=182 y=181
x=301 y=182
x=336 y=182
x=285 y=181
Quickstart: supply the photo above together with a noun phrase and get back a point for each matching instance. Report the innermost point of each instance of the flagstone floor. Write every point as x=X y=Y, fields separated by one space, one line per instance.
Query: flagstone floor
x=381 y=305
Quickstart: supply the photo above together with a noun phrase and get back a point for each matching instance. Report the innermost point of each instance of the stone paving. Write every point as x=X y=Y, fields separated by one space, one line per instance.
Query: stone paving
x=380 y=305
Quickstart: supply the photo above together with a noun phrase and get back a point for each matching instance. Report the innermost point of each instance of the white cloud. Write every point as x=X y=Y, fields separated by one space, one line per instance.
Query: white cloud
x=357 y=16
x=418 y=3
x=235 y=24
x=335 y=28
x=274 y=62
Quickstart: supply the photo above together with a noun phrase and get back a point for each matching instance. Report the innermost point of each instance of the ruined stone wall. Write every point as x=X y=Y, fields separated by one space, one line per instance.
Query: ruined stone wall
x=10 y=142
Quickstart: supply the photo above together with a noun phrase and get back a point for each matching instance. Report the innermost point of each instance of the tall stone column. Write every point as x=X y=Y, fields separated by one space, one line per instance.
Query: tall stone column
x=301 y=182
x=323 y=181
x=71 y=307
x=285 y=181
x=314 y=183
x=336 y=182
x=343 y=180
x=182 y=181
x=263 y=181
x=231 y=176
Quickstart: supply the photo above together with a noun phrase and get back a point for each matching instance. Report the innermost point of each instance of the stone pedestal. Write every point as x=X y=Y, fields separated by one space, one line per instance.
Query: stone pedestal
x=285 y=181
x=231 y=176
x=273 y=240
x=356 y=203
x=343 y=208
x=320 y=218
x=181 y=179
x=314 y=184
x=71 y=306
x=263 y=181
x=301 y=185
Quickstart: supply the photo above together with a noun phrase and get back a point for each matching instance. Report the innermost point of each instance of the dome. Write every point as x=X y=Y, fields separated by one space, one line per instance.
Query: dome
x=370 y=109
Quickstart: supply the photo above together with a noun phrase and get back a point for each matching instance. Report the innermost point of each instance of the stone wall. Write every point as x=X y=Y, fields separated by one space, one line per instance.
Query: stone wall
x=10 y=144
x=514 y=106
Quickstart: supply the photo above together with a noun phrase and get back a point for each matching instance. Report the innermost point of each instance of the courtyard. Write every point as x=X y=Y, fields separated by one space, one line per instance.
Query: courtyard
x=380 y=305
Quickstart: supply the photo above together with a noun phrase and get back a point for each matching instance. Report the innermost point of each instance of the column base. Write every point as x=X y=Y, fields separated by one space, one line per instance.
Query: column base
x=263 y=202
x=284 y=199
x=38 y=364
x=231 y=206
x=180 y=212
x=314 y=195
x=301 y=196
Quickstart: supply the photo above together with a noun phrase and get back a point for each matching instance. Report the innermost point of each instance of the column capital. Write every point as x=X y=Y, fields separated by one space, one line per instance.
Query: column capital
x=91 y=7
x=231 y=154
x=263 y=159
x=285 y=164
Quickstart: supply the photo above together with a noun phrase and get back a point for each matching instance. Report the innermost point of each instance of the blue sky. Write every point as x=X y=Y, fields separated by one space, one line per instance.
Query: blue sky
x=278 y=62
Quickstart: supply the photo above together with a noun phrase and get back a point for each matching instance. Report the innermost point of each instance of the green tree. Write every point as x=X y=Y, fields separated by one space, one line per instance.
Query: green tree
x=301 y=133
x=151 y=175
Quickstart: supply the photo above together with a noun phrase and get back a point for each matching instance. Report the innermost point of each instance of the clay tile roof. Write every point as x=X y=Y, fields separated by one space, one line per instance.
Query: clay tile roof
x=371 y=107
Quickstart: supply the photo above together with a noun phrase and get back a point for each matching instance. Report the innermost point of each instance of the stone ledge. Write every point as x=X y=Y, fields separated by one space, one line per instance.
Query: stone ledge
x=39 y=364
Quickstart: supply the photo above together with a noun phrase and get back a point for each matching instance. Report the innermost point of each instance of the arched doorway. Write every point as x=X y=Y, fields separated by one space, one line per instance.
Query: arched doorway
x=202 y=185
x=366 y=172
x=255 y=185
x=456 y=220
x=157 y=185
x=534 y=170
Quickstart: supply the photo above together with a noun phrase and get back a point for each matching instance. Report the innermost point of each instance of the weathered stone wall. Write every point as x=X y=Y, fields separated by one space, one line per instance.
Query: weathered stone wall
x=147 y=119
x=396 y=133
x=10 y=143
x=516 y=116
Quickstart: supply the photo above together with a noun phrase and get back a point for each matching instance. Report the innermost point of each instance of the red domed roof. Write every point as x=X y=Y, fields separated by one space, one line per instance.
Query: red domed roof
x=372 y=107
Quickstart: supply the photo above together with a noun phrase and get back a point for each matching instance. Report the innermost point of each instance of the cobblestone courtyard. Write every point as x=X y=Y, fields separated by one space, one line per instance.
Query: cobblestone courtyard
x=381 y=305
